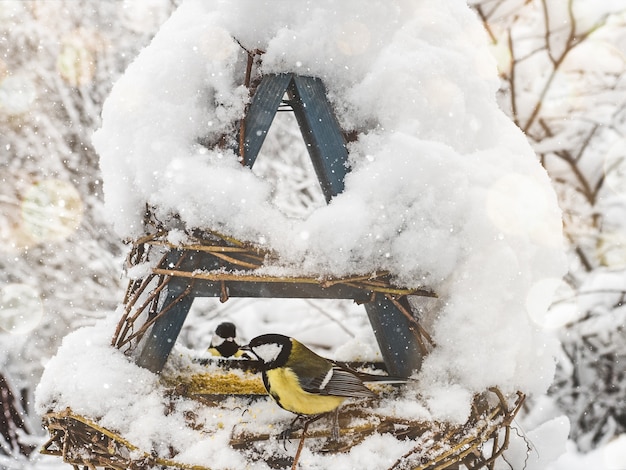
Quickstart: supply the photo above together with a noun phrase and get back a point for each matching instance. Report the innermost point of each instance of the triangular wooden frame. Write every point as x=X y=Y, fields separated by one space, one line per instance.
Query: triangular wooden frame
x=396 y=334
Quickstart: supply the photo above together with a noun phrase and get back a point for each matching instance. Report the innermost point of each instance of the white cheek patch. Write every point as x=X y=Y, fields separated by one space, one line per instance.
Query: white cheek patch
x=217 y=340
x=267 y=352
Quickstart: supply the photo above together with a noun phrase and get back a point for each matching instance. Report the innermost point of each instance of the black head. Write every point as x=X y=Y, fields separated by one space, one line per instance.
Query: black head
x=226 y=330
x=272 y=350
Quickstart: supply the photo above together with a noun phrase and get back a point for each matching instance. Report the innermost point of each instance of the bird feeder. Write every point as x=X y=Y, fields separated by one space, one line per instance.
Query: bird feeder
x=212 y=264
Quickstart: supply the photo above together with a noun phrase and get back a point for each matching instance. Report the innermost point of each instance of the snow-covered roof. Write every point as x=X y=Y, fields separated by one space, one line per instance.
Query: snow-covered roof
x=443 y=189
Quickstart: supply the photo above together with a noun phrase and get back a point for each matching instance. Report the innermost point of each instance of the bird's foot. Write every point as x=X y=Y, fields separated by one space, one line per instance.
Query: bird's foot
x=295 y=425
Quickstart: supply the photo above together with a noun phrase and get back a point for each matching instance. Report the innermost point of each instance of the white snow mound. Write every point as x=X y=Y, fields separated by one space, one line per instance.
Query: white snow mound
x=443 y=191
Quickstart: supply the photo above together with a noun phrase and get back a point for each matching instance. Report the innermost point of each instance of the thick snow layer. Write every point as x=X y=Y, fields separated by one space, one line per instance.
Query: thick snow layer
x=107 y=387
x=443 y=190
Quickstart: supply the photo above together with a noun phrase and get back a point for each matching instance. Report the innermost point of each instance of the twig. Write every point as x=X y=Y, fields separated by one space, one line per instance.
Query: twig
x=139 y=333
x=243 y=277
x=327 y=315
x=300 y=446
x=512 y=79
x=131 y=300
x=130 y=323
x=417 y=329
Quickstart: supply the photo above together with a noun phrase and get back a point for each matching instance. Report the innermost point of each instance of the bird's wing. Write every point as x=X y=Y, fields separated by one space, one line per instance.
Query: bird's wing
x=336 y=381
x=367 y=378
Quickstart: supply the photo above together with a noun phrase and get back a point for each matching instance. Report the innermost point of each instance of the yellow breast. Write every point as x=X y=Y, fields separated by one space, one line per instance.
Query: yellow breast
x=285 y=389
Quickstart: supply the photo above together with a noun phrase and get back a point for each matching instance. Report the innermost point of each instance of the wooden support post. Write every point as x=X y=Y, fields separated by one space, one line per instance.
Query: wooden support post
x=321 y=132
x=398 y=345
x=162 y=336
x=261 y=112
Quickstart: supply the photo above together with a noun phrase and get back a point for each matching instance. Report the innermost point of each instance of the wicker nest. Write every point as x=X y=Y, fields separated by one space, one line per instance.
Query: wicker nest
x=82 y=442
x=477 y=444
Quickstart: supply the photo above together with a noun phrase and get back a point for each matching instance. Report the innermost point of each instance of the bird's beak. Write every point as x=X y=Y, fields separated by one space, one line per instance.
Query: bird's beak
x=248 y=353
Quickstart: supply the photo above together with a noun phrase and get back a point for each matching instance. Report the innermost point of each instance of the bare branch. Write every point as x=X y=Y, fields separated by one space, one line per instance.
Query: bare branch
x=512 y=81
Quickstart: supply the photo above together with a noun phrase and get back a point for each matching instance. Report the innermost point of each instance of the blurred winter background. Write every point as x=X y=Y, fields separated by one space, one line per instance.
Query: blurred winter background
x=563 y=70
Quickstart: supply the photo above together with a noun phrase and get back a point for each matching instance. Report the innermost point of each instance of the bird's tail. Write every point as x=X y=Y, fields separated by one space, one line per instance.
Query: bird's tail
x=365 y=377
x=385 y=379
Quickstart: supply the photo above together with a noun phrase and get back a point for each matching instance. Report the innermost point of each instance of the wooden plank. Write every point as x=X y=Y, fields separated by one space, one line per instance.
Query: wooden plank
x=261 y=113
x=195 y=261
x=161 y=338
x=398 y=345
x=279 y=290
x=321 y=132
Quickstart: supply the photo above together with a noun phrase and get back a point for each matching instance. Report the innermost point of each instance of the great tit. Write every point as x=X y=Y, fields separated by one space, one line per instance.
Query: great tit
x=224 y=341
x=305 y=383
